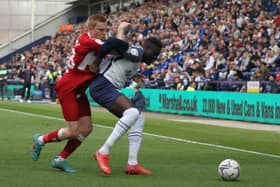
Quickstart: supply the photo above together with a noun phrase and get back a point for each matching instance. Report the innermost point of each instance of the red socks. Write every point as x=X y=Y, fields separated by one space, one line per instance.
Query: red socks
x=51 y=137
x=70 y=147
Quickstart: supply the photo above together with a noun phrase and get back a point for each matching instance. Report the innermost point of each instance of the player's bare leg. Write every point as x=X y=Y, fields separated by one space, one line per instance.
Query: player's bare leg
x=85 y=128
x=39 y=141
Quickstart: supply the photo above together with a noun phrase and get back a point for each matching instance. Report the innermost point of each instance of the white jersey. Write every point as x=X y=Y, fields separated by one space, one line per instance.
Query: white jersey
x=119 y=69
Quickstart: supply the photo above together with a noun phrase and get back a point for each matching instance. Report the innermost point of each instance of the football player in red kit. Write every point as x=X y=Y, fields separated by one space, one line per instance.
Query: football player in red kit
x=71 y=91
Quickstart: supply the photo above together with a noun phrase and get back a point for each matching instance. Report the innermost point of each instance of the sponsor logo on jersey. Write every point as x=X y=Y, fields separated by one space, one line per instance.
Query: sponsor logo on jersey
x=134 y=52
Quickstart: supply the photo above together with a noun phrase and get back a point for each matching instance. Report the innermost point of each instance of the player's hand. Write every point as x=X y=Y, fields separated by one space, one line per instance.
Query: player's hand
x=138 y=77
x=124 y=27
x=94 y=67
x=124 y=24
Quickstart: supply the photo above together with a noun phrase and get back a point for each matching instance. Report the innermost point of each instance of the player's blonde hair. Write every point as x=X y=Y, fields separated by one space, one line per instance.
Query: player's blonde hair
x=92 y=20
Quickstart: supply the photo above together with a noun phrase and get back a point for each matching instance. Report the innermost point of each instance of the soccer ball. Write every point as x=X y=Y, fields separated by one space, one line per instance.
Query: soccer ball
x=229 y=170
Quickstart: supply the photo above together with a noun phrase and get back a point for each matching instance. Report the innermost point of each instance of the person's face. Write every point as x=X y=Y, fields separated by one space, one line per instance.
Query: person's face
x=99 y=31
x=153 y=56
x=151 y=53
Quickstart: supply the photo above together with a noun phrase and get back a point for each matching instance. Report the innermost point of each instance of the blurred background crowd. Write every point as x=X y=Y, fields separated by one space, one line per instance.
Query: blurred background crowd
x=208 y=45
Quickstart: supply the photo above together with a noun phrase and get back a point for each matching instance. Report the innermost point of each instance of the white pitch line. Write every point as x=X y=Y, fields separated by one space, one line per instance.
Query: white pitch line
x=158 y=136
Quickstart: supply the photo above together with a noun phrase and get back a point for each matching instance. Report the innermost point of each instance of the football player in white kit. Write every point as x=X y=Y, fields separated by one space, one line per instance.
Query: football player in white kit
x=105 y=90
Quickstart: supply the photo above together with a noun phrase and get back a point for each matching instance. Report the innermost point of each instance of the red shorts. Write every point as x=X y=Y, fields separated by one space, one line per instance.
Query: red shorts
x=74 y=106
x=71 y=93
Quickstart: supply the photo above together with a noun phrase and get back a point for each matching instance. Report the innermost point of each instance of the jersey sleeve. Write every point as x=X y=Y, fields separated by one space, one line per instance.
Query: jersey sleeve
x=90 y=43
x=134 y=54
x=83 y=52
x=111 y=44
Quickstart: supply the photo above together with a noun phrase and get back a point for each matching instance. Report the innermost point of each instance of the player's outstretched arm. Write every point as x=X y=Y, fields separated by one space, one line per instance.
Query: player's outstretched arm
x=112 y=44
x=123 y=29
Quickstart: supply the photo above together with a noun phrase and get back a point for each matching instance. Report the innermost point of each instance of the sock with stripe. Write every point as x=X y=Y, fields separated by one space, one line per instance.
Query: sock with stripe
x=71 y=146
x=135 y=139
x=54 y=136
x=125 y=122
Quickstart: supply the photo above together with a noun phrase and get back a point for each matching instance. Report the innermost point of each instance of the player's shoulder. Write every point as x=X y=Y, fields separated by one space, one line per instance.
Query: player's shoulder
x=135 y=50
x=136 y=47
x=85 y=37
x=134 y=53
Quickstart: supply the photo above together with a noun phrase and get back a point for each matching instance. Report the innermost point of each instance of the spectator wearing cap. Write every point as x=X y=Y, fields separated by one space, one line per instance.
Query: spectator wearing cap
x=3 y=81
x=192 y=87
x=232 y=27
x=270 y=58
x=51 y=79
x=138 y=100
x=211 y=76
x=271 y=86
x=169 y=79
x=28 y=76
x=210 y=61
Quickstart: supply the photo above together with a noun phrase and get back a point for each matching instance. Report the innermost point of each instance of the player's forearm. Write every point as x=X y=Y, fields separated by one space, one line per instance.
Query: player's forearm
x=121 y=35
x=123 y=30
x=112 y=44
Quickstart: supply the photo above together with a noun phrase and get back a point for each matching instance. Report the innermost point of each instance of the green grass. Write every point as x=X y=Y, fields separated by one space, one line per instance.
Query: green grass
x=173 y=163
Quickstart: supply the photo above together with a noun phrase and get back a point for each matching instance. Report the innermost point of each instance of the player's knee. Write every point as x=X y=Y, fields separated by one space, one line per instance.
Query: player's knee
x=132 y=113
x=74 y=132
x=85 y=125
x=86 y=130
x=139 y=124
x=137 y=128
x=90 y=128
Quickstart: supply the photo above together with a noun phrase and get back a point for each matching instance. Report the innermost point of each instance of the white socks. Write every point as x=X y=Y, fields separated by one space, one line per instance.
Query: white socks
x=81 y=137
x=59 y=159
x=59 y=134
x=127 y=120
x=135 y=139
x=41 y=140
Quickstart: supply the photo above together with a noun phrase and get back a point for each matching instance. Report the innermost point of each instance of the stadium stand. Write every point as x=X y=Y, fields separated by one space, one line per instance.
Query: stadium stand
x=220 y=45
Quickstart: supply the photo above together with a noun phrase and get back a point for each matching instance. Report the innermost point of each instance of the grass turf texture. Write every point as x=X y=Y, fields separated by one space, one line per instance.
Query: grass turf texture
x=173 y=163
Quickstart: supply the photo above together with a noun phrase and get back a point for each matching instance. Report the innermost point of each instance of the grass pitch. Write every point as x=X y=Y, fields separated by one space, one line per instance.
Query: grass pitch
x=173 y=161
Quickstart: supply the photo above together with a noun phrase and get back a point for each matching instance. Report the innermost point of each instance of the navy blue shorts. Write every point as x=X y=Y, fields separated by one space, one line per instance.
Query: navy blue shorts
x=103 y=92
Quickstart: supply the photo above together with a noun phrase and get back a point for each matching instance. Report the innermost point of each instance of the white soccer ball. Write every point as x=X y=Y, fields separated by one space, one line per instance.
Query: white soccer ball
x=229 y=170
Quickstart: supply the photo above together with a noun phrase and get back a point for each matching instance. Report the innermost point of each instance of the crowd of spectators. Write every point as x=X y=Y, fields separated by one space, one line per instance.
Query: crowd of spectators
x=208 y=45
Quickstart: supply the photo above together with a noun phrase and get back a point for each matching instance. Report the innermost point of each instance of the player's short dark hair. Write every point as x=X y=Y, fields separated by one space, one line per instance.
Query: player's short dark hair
x=154 y=41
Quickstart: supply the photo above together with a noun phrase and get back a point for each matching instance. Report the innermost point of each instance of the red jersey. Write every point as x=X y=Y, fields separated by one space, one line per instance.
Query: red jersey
x=78 y=76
